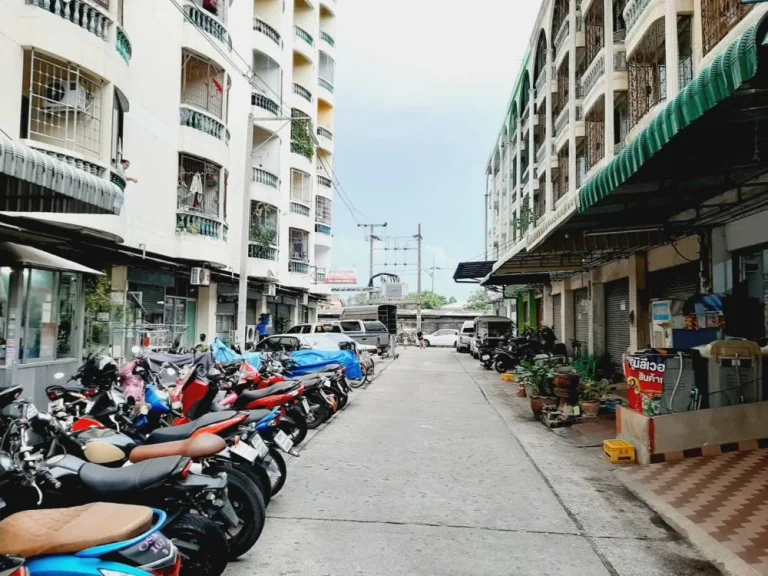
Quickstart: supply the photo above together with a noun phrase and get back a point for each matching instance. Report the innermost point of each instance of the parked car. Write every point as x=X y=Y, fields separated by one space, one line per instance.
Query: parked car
x=444 y=337
x=315 y=328
x=370 y=332
x=294 y=342
x=466 y=334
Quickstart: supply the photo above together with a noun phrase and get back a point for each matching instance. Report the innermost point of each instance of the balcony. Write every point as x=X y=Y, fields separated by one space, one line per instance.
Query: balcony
x=265 y=103
x=323 y=83
x=322 y=228
x=304 y=35
x=619 y=36
x=303 y=92
x=620 y=61
x=203 y=122
x=83 y=14
x=324 y=133
x=261 y=176
x=541 y=83
x=633 y=12
x=541 y=154
x=325 y=182
x=199 y=224
x=262 y=251
x=298 y=267
x=594 y=73
x=123 y=45
x=262 y=27
x=327 y=38
x=562 y=36
x=320 y=276
x=561 y=122
x=207 y=23
x=300 y=209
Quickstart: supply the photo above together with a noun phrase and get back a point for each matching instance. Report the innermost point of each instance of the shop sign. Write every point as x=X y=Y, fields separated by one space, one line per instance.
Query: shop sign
x=341 y=276
x=645 y=382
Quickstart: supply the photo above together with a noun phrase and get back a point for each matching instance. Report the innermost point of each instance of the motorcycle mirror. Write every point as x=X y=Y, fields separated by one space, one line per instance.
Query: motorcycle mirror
x=144 y=409
x=58 y=375
x=170 y=371
x=135 y=350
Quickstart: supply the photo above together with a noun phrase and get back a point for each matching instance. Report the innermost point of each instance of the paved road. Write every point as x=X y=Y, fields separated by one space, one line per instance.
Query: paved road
x=436 y=469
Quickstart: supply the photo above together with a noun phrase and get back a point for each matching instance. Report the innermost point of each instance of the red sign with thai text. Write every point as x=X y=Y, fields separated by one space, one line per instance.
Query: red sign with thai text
x=645 y=382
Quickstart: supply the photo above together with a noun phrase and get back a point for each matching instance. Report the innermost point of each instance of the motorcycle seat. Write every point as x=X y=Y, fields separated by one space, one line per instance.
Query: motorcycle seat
x=71 y=530
x=202 y=446
x=255 y=416
x=250 y=395
x=308 y=379
x=105 y=481
x=174 y=433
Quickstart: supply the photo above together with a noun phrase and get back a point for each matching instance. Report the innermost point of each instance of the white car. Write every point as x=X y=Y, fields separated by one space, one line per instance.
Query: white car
x=442 y=338
x=465 y=338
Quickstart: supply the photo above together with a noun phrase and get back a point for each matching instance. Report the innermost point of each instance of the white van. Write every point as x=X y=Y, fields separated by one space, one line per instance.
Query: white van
x=489 y=330
x=465 y=336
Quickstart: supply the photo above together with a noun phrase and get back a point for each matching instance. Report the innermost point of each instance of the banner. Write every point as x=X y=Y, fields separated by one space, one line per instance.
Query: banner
x=645 y=382
x=341 y=276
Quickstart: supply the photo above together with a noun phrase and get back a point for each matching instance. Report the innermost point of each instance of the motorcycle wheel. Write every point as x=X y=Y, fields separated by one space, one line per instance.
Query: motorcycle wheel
x=255 y=473
x=202 y=546
x=279 y=462
x=299 y=432
x=245 y=498
x=318 y=415
x=343 y=400
x=500 y=366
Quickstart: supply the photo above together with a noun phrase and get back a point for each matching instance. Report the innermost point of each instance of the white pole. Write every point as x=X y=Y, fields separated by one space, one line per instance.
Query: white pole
x=245 y=225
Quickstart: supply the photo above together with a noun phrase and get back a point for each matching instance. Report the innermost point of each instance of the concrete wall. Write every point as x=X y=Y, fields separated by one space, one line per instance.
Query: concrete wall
x=635 y=428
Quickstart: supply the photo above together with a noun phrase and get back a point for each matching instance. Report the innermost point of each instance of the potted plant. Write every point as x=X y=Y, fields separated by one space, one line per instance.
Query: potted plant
x=538 y=378
x=590 y=394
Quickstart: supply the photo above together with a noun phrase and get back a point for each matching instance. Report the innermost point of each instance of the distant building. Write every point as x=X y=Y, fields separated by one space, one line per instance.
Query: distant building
x=431 y=320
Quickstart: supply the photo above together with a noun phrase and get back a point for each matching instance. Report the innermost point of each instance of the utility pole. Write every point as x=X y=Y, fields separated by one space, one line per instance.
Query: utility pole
x=418 y=284
x=242 y=293
x=371 y=238
x=431 y=272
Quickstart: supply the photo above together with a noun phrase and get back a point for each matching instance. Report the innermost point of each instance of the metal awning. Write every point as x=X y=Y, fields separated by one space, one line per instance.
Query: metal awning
x=51 y=185
x=472 y=272
x=12 y=254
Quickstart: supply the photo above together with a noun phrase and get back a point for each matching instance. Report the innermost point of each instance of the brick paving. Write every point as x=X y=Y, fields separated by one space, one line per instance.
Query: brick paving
x=725 y=497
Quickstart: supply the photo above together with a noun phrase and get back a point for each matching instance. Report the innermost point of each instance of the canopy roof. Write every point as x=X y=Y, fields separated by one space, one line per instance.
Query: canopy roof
x=12 y=254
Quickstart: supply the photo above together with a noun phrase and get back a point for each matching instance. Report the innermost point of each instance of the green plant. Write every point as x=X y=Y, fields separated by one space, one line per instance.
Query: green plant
x=479 y=300
x=301 y=134
x=538 y=377
x=593 y=390
x=526 y=216
x=263 y=229
x=526 y=331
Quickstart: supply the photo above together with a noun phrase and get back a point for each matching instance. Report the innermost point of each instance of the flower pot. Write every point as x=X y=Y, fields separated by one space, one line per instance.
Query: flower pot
x=538 y=403
x=590 y=407
x=521 y=391
x=567 y=386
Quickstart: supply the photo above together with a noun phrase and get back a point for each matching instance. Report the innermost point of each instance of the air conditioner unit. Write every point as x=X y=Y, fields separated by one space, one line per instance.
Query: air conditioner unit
x=251 y=333
x=270 y=290
x=305 y=299
x=200 y=277
x=63 y=95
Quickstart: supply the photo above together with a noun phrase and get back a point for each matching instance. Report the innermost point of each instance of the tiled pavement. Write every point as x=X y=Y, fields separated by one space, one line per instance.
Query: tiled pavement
x=721 y=503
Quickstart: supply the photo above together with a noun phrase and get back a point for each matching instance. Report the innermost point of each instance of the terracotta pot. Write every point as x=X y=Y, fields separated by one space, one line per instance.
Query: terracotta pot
x=521 y=392
x=538 y=403
x=591 y=408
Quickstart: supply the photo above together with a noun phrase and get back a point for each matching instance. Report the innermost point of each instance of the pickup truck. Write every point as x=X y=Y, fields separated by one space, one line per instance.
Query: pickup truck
x=368 y=332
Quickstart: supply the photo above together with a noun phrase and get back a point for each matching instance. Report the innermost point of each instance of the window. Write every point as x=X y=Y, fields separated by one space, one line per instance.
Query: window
x=468 y=330
x=39 y=316
x=327 y=68
x=199 y=185
x=322 y=210
x=718 y=18
x=62 y=105
x=333 y=328
x=350 y=326
x=264 y=226
x=299 y=240
x=203 y=84
x=180 y=315
x=295 y=330
x=374 y=327
x=301 y=186
x=117 y=132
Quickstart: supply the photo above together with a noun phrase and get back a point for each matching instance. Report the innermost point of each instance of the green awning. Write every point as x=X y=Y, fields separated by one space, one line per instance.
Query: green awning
x=728 y=72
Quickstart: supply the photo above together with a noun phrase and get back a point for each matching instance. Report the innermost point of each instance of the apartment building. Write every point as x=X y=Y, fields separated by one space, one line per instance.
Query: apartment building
x=132 y=101
x=629 y=166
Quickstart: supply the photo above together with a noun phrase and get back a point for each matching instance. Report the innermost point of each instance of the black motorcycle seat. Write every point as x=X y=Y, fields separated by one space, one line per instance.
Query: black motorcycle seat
x=256 y=416
x=174 y=433
x=282 y=388
x=105 y=481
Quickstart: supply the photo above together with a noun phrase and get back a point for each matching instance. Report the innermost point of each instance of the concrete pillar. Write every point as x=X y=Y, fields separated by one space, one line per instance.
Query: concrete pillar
x=639 y=329
x=546 y=300
x=549 y=198
x=566 y=317
x=722 y=266
x=295 y=313
x=597 y=319
x=671 y=49
x=572 y=82
x=698 y=40
x=206 y=311
x=609 y=65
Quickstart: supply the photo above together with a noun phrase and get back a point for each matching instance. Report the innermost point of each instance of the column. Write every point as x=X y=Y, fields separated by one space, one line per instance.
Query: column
x=548 y=313
x=698 y=39
x=566 y=317
x=572 y=84
x=671 y=49
x=14 y=333
x=206 y=311
x=118 y=280
x=597 y=319
x=609 y=65
x=549 y=199
x=639 y=329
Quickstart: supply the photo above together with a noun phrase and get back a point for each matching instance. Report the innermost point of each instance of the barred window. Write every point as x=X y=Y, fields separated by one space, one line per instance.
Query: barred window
x=327 y=67
x=718 y=17
x=62 y=105
x=299 y=241
x=323 y=210
x=200 y=185
x=264 y=225
x=203 y=84
x=301 y=186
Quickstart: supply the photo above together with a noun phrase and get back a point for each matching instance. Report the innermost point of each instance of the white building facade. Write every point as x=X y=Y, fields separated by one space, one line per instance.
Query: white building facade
x=168 y=85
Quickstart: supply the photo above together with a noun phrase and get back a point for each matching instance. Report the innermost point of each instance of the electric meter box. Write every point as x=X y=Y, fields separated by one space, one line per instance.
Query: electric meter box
x=735 y=373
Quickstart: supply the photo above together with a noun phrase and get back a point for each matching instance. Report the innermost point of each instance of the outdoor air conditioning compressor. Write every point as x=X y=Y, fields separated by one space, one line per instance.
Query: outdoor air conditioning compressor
x=63 y=96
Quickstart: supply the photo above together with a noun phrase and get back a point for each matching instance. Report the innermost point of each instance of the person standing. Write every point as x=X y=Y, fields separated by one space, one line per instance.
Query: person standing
x=263 y=328
x=420 y=337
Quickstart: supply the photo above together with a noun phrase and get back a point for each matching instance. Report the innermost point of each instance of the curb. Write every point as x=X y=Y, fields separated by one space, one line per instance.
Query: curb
x=725 y=560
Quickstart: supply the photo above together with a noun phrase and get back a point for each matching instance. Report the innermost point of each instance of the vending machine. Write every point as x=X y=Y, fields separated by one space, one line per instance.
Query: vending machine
x=666 y=316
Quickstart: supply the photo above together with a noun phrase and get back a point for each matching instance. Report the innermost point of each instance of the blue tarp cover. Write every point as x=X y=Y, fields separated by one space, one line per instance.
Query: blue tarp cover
x=314 y=360
x=224 y=355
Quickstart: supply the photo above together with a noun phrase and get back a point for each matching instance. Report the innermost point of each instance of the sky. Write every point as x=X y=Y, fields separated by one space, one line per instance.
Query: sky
x=421 y=94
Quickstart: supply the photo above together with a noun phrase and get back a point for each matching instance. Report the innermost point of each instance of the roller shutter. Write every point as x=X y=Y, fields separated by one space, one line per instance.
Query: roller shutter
x=617 y=320
x=557 y=310
x=581 y=305
x=680 y=282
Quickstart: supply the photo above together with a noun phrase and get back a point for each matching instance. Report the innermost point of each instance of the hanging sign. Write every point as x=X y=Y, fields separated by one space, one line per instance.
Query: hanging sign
x=645 y=382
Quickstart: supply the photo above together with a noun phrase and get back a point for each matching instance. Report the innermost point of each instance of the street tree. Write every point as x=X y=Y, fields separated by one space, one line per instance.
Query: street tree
x=479 y=300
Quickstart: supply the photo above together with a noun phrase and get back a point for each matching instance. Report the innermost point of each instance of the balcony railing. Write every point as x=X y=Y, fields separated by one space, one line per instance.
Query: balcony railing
x=320 y=276
x=265 y=103
x=123 y=45
x=327 y=38
x=303 y=92
x=620 y=61
x=84 y=165
x=198 y=224
x=323 y=83
x=262 y=251
x=207 y=23
x=322 y=229
x=526 y=120
x=619 y=36
x=260 y=26
x=541 y=83
x=261 y=176
x=540 y=153
x=300 y=209
x=204 y=123
x=298 y=267
x=562 y=35
x=593 y=74
x=562 y=121
x=304 y=35
x=633 y=11
x=324 y=132
x=82 y=14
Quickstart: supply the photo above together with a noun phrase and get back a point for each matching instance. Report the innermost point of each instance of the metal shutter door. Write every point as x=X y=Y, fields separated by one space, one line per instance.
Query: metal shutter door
x=617 y=320
x=581 y=306
x=250 y=313
x=226 y=308
x=557 y=309
x=152 y=298
x=679 y=282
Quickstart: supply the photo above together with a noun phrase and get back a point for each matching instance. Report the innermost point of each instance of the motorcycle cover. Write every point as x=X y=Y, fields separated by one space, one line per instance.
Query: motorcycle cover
x=315 y=360
x=224 y=355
